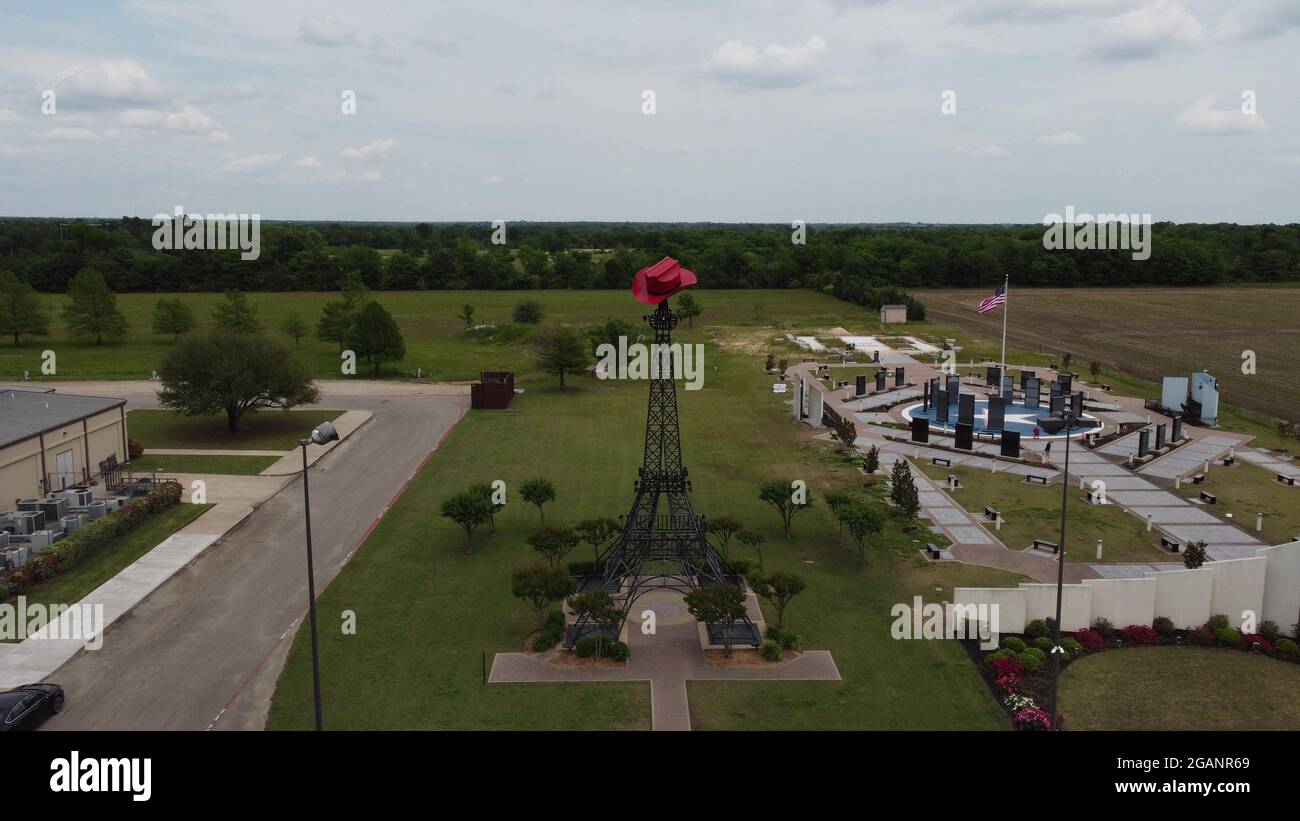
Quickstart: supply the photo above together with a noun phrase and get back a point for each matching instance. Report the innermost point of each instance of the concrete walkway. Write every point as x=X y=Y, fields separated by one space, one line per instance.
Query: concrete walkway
x=1261 y=457
x=345 y=425
x=206 y=452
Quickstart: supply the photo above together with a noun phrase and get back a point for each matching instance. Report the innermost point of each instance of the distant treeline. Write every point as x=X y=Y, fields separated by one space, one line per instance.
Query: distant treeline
x=864 y=264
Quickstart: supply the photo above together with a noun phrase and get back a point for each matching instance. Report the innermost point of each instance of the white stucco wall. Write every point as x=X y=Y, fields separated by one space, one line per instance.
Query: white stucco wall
x=1010 y=602
x=1238 y=587
x=1183 y=596
x=1282 y=584
x=1123 y=601
x=1076 y=604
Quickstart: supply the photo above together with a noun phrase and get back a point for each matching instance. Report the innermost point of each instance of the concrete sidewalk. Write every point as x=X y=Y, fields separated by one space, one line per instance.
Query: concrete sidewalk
x=206 y=452
x=291 y=462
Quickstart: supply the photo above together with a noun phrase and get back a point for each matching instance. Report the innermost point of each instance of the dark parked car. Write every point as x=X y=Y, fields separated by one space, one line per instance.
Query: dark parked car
x=26 y=707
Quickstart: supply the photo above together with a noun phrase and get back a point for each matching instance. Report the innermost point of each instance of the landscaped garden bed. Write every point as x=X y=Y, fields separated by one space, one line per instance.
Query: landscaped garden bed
x=1019 y=672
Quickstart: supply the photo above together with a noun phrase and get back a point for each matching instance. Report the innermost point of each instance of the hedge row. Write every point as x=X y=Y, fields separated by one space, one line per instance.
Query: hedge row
x=88 y=540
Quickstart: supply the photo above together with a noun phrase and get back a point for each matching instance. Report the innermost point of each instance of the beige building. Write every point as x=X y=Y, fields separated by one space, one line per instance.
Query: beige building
x=894 y=314
x=52 y=440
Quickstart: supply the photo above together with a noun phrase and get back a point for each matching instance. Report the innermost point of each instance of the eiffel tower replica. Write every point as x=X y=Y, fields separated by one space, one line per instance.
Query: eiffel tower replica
x=662 y=543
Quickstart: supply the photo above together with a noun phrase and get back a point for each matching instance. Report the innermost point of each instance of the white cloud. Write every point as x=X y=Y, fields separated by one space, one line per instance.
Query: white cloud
x=989 y=151
x=69 y=133
x=1037 y=11
x=106 y=83
x=249 y=162
x=1201 y=117
x=319 y=31
x=307 y=162
x=1063 y=138
x=7 y=150
x=370 y=151
x=1147 y=31
x=189 y=121
x=381 y=52
x=773 y=66
x=334 y=176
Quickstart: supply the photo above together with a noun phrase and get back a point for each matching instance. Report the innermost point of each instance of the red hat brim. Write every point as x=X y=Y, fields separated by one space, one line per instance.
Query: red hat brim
x=641 y=286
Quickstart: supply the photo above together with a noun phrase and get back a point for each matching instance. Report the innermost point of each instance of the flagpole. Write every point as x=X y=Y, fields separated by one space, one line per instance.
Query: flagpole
x=1006 y=303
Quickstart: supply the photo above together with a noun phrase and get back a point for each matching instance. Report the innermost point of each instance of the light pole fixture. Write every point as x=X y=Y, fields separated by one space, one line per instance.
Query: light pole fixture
x=323 y=434
x=1060 y=573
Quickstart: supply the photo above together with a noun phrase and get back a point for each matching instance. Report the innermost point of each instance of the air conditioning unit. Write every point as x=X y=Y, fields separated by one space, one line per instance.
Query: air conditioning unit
x=27 y=522
x=97 y=510
x=70 y=524
x=9 y=556
x=54 y=508
x=29 y=504
x=114 y=503
x=4 y=539
x=41 y=539
x=79 y=497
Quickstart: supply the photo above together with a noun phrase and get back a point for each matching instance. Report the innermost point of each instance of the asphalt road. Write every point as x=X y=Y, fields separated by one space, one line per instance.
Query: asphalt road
x=205 y=649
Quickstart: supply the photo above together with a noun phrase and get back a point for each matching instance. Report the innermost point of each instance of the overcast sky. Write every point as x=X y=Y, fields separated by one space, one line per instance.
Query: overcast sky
x=825 y=110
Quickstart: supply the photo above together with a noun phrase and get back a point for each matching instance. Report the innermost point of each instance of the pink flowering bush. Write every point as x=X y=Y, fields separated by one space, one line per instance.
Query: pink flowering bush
x=1005 y=666
x=1008 y=682
x=1032 y=718
x=1138 y=634
x=1265 y=646
x=1090 y=639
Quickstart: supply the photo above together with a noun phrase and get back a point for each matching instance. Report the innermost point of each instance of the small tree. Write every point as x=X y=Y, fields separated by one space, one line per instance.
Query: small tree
x=1067 y=359
x=467 y=314
x=779 y=588
x=171 y=316
x=845 y=431
x=538 y=492
x=484 y=491
x=781 y=496
x=554 y=542
x=903 y=492
x=724 y=527
x=834 y=500
x=528 y=312
x=753 y=541
x=770 y=363
x=688 y=307
x=863 y=521
x=1194 y=555
x=724 y=604
x=21 y=311
x=599 y=608
x=469 y=510
x=560 y=349
x=541 y=586
x=374 y=335
x=596 y=532
x=236 y=314
x=335 y=321
x=93 y=310
x=871 y=461
x=294 y=328
x=1094 y=368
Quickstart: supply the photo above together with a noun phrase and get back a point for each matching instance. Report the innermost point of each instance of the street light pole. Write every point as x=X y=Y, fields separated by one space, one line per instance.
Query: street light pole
x=1060 y=574
x=311 y=587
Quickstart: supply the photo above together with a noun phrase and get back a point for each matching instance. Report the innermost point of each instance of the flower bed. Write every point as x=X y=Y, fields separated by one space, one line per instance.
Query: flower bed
x=1019 y=674
x=69 y=552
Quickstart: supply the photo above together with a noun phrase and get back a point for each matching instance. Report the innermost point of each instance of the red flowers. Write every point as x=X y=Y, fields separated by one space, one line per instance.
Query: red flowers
x=1265 y=646
x=1008 y=682
x=1005 y=666
x=1032 y=718
x=1091 y=639
x=1138 y=634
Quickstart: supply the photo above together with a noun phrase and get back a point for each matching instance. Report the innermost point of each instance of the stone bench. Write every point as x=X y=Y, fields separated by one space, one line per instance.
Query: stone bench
x=941 y=460
x=1209 y=498
x=1282 y=477
x=953 y=481
x=1036 y=477
x=992 y=513
x=1198 y=478
x=932 y=550
x=1043 y=544
x=1170 y=544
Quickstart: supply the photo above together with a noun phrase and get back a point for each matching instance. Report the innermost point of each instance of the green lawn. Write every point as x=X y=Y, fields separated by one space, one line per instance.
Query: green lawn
x=74 y=584
x=1032 y=511
x=264 y=430
x=223 y=465
x=1180 y=688
x=426 y=611
x=1245 y=490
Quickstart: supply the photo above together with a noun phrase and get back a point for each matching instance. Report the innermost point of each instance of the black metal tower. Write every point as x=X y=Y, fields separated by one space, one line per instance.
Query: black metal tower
x=662 y=542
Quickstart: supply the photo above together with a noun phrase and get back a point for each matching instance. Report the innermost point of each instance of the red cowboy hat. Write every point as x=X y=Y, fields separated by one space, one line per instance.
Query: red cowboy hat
x=663 y=279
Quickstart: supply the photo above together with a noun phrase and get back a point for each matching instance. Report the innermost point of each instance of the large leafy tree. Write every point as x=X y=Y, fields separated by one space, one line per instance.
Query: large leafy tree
x=780 y=495
x=172 y=316
x=863 y=521
x=541 y=586
x=778 y=587
x=232 y=373
x=596 y=532
x=561 y=350
x=93 y=309
x=374 y=335
x=22 y=313
x=723 y=604
x=903 y=490
x=554 y=542
x=723 y=528
x=236 y=314
x=599 y=608
x=469 y=510
x=335 y=320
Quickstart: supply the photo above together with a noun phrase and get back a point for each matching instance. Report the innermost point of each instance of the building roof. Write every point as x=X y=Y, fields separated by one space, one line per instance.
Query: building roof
x=893 y=306
x=25 y=413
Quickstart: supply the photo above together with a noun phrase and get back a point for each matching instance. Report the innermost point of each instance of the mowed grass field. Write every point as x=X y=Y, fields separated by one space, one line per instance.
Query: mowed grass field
x=428 y=320
x=426 y=612
x=1150 y=333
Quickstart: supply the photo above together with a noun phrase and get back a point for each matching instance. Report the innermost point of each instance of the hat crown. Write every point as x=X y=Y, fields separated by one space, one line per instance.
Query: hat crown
x=661 y=282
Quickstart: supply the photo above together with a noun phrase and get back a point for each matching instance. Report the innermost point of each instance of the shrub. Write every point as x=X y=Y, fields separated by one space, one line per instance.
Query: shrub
x=1072 y=647
x=770 y=650
x=1219 y=622
x=542 y=643
x=1270 y=630
x=1228 y=636
x=1043 y=643
x=585 y=647
x=1139 y=634
x=1202 y=636
x=1036 y=628
x=1032 y=718
x=1104 y=627
x=1286 y=647
x=1163 y=625
x=1009 y=682
x=1265 y=646
x=134 y=450
x=741 y=567
x=1013 y=643
x=1090 y=639
x=578 y=569
x=528 y=311
x=1032 y=659
x=1007 y=664
x=619 y=651
x=1002 y=653
x=555 y=619
x=788 y=639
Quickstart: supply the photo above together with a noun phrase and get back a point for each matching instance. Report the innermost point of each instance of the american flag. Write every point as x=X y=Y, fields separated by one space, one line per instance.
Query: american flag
x=998 y=297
